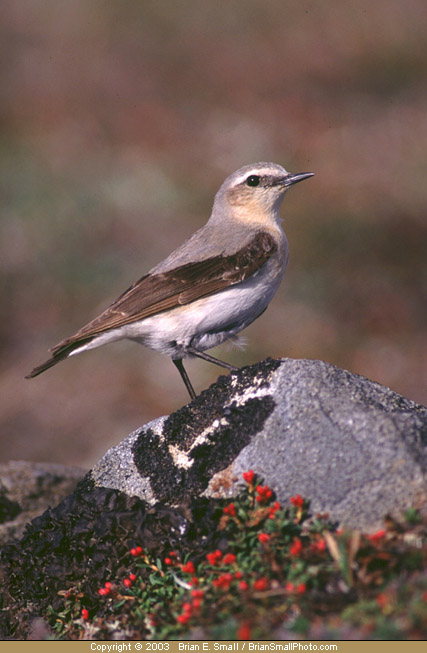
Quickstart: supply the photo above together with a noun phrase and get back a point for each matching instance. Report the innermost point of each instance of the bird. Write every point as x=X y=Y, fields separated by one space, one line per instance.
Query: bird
x=210 y=288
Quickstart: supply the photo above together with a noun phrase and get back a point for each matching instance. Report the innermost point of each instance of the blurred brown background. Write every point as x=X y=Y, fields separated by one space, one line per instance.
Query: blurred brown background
x=119 y=120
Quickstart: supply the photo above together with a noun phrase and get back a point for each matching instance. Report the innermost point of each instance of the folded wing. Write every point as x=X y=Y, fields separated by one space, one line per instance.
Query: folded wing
x=155 y=293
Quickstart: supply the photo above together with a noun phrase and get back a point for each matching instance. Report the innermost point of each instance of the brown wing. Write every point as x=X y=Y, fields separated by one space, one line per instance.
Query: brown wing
x=156 y=293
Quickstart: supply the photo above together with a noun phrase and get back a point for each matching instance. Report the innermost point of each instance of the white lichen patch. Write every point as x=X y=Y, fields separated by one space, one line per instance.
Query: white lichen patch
x=254 y=392
x=182 y=458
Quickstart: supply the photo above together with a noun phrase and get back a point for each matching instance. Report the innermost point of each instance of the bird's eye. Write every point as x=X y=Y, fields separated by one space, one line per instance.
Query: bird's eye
x=253 y=180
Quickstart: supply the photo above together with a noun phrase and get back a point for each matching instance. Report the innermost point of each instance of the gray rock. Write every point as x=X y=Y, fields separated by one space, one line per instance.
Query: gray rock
x=354 y=448
x=27 y=489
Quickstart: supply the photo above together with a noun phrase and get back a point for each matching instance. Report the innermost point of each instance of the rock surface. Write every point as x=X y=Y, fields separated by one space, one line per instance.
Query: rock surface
x=27 y=489
x=354 y=448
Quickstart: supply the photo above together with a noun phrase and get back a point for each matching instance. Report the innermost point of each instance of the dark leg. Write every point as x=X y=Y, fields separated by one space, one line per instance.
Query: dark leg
x=210 y=359
x=184 y=376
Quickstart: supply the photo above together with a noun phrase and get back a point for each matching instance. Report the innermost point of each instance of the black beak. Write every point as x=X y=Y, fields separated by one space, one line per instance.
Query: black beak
x=291 y=179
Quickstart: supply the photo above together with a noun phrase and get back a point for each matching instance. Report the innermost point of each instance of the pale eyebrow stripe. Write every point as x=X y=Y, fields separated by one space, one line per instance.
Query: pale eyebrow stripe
x=260 y=172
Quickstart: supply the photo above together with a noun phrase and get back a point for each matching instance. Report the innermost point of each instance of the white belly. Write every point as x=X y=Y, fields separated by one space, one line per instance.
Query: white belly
x=207 y=322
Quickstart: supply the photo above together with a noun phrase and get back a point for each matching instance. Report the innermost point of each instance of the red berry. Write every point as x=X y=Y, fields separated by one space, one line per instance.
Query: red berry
x=318 y=545
x=244 y=631
x=183 y=618
x=229 y=558
x=374 y=537
x=297 y=501
x=230 y=510
x=264 y=537
x=214 y=557
x=264 y=493
x=197 y=594
x=188 y=568
x=261 y=584
x=249 y=476
x=296 y=547
x=223 y=581
x=137 y=551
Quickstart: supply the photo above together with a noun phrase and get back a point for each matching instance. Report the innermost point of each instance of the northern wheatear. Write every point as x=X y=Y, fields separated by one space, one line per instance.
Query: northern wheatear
x=209 y=289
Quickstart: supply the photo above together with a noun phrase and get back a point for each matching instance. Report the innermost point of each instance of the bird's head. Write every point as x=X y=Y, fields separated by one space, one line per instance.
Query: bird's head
x=255 y=192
